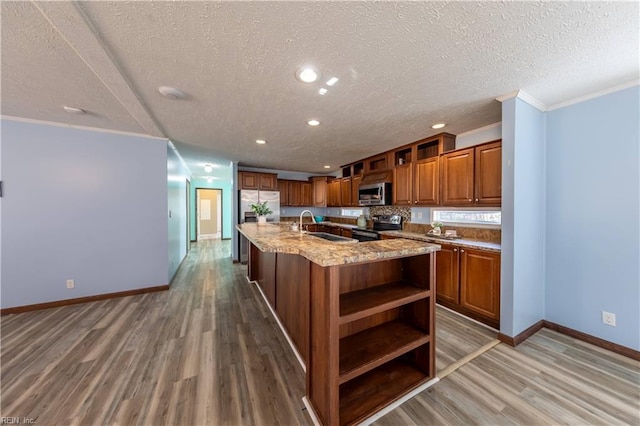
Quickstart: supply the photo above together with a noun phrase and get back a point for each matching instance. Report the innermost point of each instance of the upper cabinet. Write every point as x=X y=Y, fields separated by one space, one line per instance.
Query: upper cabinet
x=416 y=171
x=488 y=174
x=260 y=181
x=333 y=193
x=319 y=189
x=472 y=176
x=295 y=193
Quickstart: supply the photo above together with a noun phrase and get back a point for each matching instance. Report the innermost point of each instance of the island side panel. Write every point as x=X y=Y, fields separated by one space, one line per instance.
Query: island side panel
x=292 y=299
x=323 y=365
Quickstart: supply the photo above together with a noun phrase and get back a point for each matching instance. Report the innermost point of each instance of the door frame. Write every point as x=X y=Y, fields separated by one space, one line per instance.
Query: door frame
x=221 y=209
x=188 y=187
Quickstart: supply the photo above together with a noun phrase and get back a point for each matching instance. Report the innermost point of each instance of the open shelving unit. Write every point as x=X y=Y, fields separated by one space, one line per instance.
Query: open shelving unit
x=372 y=336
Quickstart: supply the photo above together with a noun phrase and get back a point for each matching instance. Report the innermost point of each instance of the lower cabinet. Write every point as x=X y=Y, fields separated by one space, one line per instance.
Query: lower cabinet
x=468 y=281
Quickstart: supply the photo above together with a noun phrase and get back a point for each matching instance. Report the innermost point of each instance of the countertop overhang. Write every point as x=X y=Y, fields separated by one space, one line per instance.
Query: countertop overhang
x=276 y=239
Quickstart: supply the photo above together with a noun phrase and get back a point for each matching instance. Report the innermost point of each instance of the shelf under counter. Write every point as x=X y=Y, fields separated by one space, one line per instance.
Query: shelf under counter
x=368 y=349
x=363 y=303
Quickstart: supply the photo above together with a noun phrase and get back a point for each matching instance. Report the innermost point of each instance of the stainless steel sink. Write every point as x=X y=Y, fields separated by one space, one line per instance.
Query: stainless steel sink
x=332 y=237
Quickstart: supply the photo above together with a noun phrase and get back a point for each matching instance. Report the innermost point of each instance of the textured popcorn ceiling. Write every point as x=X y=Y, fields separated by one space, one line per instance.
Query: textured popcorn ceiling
x=402 y=67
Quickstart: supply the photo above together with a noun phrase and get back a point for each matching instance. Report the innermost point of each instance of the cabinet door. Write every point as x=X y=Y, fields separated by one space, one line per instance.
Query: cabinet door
x=387 y=237
x=306 y=195
x=283 y=187
x=249 y=180
x=447 y=267
x=427 y=183
x=345 y=191
x=319 y=192
x=346 y=233
x=333 y=193
x=268 y=181
x=457 y=178
x=489 y=174
x=355 y=183
x=293 y=193
x=402 y=178
x=480 y=282
x=335 y=230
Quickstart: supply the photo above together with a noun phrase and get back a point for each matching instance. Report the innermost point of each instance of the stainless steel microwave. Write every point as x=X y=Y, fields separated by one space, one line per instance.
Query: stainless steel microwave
x=375 y=194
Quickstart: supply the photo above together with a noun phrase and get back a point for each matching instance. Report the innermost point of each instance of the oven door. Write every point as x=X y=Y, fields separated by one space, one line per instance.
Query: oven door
x=363 y=236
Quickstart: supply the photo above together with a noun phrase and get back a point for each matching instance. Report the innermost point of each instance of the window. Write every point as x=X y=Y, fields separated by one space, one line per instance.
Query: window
x=351 y=212
x=492 y=218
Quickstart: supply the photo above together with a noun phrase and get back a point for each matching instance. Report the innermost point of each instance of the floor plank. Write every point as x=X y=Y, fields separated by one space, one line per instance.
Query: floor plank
x=208 y=352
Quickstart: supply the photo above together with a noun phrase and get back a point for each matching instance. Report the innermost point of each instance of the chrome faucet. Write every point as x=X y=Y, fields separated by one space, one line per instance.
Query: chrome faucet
x=312 y=218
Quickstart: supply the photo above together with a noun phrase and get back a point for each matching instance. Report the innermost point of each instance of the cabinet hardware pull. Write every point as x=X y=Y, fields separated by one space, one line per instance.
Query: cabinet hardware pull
x=470 y=199
x=476 y=200
x=455 y=249
x=461 y=251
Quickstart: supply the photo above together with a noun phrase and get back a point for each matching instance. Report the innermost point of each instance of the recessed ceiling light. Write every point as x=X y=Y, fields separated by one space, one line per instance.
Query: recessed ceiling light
x=260 y=141
x=323 y=91
x=327 y=167
x=313 y=122
x=171 y=92
x=332 y=81
x=74 y=110
x=208 y=168
x=438 y=126
x=209 y=180
x=307 y=74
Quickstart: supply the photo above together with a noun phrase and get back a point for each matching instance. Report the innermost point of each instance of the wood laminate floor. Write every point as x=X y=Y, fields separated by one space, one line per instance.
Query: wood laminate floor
x=207 y=352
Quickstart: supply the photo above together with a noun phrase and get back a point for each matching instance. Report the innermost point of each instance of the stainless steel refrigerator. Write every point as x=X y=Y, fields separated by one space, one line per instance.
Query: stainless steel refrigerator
x=248 y=197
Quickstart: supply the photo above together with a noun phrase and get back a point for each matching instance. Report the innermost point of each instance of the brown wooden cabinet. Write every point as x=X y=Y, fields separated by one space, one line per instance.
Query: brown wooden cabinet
x=403 y=185
x=472 y=176
x=283 y=187
x=333 y=193
x=468 y=281
x=306 y=194
x=355 y=184
x=378 y=162
x=319 y=188
x=447 y=274
x=294 y=193
x=345 y=232
x=345 y=191
x=260 y=181
x=457 y=177
x=426 y=189
x=488 y=174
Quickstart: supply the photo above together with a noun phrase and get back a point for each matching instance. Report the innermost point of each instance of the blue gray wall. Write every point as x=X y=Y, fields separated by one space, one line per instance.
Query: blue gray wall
x=523 y=216
x=593 y=225
x=177 y=175
x=83 y=205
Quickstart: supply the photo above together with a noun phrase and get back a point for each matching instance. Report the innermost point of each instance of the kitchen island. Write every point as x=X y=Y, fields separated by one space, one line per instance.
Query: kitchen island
x=359 y=315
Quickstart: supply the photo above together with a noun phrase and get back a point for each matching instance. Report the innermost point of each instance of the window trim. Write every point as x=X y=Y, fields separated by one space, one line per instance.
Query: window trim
x=467 y=224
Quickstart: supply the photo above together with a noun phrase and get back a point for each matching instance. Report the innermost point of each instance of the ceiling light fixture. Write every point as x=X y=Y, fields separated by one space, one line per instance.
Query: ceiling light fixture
x=332 y=81
x=260 y=141
x=209 y=180
x=208 y=168
x=307 y=74
x=171 y=92
x=327 y=167
x=74 y=110
x=438 y=126
x=313 y=122
x=323 y=91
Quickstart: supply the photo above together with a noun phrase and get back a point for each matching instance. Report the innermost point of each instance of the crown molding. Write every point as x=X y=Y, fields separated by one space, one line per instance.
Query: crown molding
x=522 y=95
x=594 y=95
x=75 y=126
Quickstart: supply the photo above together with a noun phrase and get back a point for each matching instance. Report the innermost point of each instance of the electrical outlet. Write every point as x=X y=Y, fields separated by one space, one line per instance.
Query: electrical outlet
x=71 y=283
x=609 y=318
x=413 y=215
x=419 y=215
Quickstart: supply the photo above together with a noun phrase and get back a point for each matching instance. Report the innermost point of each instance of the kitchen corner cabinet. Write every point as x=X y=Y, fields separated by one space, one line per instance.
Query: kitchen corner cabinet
x=472 y=176
x=260 y=181
x=468 y=281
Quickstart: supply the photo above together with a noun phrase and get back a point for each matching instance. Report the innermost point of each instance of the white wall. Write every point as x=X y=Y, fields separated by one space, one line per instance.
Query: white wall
x=83 y=205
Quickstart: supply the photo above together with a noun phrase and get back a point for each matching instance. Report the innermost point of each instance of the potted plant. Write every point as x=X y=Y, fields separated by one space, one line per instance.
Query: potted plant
x=436 y=228
x=262 y=210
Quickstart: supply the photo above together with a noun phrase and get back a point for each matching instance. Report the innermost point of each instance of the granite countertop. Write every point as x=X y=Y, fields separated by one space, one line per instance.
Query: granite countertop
x=278 y=239
x=482 y=245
